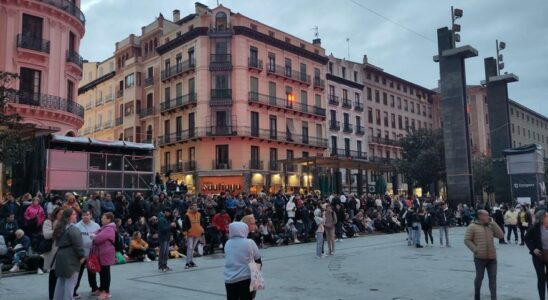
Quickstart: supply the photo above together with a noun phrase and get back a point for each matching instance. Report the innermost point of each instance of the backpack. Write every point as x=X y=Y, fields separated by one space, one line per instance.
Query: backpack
x=118 y=244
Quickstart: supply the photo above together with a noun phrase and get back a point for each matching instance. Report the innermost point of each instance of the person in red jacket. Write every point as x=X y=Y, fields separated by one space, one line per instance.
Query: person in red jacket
x=103 y=247
x=220 y=222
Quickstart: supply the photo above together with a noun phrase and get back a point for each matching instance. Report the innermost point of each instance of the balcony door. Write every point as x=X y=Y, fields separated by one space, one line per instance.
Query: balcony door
x=32 y=27
x=221 y=154
x=29 y=84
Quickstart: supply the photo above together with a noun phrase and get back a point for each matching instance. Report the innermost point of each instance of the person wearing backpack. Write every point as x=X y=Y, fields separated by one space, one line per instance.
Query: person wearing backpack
x=87 y=228
x=103 y=247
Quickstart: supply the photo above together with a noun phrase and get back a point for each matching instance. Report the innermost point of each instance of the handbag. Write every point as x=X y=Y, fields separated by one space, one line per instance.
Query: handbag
x=44 y=246
x=257 y=279
x=92 y=263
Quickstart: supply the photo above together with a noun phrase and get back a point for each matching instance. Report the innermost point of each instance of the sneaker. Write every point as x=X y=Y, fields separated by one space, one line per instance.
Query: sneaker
x=96 y=293
x=192 y=264
x=221 y=246
x=15 y=268
x=104 y=296
x=168 y=269
x=39 y=271
x=76 y=296
x=419 y=246
x=187 y=266
x=297 y=241
x=147 y=259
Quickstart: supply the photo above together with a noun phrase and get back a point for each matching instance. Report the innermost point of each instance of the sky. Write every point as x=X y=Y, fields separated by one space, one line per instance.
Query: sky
x=398 y=35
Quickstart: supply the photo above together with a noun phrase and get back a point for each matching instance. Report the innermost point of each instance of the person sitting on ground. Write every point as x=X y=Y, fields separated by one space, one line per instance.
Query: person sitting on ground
x=22 y=245
x=34 y=217
x=8 y=228
x=138 y=248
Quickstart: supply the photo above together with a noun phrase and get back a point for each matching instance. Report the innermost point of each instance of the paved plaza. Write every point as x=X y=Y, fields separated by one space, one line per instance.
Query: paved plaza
x=373 y=267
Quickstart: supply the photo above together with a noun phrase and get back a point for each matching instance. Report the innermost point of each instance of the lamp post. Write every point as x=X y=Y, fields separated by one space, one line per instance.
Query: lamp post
x=456 y=13
x=500 y=63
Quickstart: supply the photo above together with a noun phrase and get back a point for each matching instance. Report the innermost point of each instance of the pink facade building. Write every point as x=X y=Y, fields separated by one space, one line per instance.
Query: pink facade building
x=40 y=42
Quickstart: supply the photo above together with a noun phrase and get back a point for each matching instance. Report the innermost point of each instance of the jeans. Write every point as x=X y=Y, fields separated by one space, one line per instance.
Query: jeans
x=239 y=290
x=410 y=236
x=191 y=243
x=444 y=230
x=104 y=276
x=339 y=230
x=491 y=266
x=52 y=281
x=428 y=234
x=513 y=228
x=164 y=255
x=522 y=231
x=542 y=276
x=92 y=279
x=417 y=233
x=64 y=288
x=18 y=257
x=319 y=243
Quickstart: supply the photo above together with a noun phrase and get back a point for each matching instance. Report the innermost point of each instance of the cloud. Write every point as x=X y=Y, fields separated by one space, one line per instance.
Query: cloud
x=387 y=45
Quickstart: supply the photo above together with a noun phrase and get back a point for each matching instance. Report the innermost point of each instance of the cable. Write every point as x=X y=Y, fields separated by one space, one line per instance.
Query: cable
x=392 y=21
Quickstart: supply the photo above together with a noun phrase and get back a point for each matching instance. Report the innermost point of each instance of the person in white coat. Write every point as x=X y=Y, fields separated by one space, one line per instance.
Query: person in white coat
x=290 y=208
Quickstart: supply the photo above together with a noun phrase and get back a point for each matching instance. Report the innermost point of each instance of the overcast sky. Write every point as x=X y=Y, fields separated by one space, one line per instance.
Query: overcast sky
x=405 y=52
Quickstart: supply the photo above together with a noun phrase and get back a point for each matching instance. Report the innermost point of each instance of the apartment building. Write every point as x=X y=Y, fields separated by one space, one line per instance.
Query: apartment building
x=222 y=96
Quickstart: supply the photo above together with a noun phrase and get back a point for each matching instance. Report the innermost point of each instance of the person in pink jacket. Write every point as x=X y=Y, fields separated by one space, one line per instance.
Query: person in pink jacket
x=103 y=247
x=34 y=217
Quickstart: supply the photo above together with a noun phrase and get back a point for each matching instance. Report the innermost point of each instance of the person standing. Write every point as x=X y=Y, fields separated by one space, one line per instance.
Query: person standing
x=536 y=240
x=87 y=228
x=524 y=222
x=498 y=216
x=193 y=231
x=319 y=232
x=47 y=231
x=94 y=204
x=34 y=217
x=70 y=255
x=479 y=239
x=444 y=219
x=164 y=234
x=330 y=219
x=427 y=222
x=511 y=221
x=103 y=247
x=239 y=251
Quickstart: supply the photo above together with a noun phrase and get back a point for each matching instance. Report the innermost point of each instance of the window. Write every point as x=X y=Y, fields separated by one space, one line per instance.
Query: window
x=334 y=144
x=384 y=98
x=330 y=67
x=255 y=158
x=378 y=116
x=305 y=132
x=255 y=123
x=178 y=127
x=130 y=81
x=393 y=120
x=400 y=125
x=405 y=105
x=412 y=106
x=221 y=154
x=191 y=56
x=30 y=81
x=273 y=155
x=343 y=72
x=70 y=90
x=355 y=76
x=288 y=70
x=167 y=160
x=399 y=103
x=377 y=96
x=370 y=115
x=253 y=57
x=345 y=93
x=166 y=128
x=32 y=28
x=273 y=127
x=392 y=101
x=385 y=119
x=221 y=21
x=369 y=97
x=167 y=92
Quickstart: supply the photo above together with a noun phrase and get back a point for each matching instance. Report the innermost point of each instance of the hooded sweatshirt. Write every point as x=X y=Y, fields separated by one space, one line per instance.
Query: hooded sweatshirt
x=239 y=251
x=319 y=220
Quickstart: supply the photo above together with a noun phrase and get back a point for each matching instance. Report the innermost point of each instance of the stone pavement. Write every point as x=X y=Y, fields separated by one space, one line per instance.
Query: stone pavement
x=373 y=267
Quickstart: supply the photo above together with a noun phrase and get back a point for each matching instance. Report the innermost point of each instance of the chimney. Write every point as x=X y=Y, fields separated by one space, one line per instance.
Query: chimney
x=201 y=9
x=317 y=42
x=176 y=16
x=365 y=59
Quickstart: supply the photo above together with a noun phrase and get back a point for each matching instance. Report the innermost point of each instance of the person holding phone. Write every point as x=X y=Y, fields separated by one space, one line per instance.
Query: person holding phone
x=479 y=239
x=536 y=240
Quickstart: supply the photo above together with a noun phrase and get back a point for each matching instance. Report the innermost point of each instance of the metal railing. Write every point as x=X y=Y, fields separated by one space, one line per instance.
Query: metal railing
x=179 y=68
x=45 y=101
x=347 y=127
x=288 y=73
x=33 y=43
x=334 y=125
x=108 y=98
x=347 y=153
x=220 y=62
x=187 y=166
x=319 y=83
x=68 y=7
x=383 y=160
x=284 y=103
x=88 y=105
x=346 y=103
x=274 y=166
x=107 y=125
x=75 y=58
x=119 y=121
x=119 y=93
x=178 y=102
x=147 y=111
x=149 y=81
x=383 y=141
x=254 y=63
x=255 y=164
x=360 y=130
x=333 y=100
x=221 y=164
x=98 y=101
x=358 y=106
x=221 y=97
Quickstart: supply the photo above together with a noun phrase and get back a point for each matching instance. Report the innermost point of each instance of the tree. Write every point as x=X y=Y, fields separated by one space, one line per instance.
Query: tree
x=12 y=142
x=483 y=178
x=423 y=157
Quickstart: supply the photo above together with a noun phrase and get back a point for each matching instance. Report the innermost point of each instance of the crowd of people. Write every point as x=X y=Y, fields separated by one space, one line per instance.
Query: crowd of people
x=36 y=231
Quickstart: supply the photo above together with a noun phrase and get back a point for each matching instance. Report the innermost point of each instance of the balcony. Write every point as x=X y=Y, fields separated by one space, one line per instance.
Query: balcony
x=383 y=160
x=180 y=102
x=107 y=125
x=358 y=106
x=221 y=130
x=274 y=166
x=33 y=43
x=189 y=166
x=221 y=97
x=290 y=168
x=69 y=7
x=288 y=73
x=178 y=69
x=282 y=136
x=383 y=141
x=220 y=32
x=255 y=164
x=98 y=127
x=319 y=83
x=255 y=64
x=335 y=125
x=108 y=98
x=99 y=101
x=347 y=103
x=333 y=100
x=75 y=58
x=347 y=128
x=148 y=111
x=119 y=121
x=222 y=164
x=180 y=167
x=45 y=101
x=271 y=101
x=149 y=81
x=348 y=154
x=89 y=105
x=360 y=130
x=119 y=93
x=220 y=62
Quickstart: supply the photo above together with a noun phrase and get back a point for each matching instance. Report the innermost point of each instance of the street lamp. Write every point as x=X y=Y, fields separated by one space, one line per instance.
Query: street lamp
x=456 y=13
x=500 y=63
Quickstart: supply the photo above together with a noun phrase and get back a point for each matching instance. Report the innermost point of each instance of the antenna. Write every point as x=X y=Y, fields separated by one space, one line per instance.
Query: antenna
x=348 y=44
x=316 y=31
